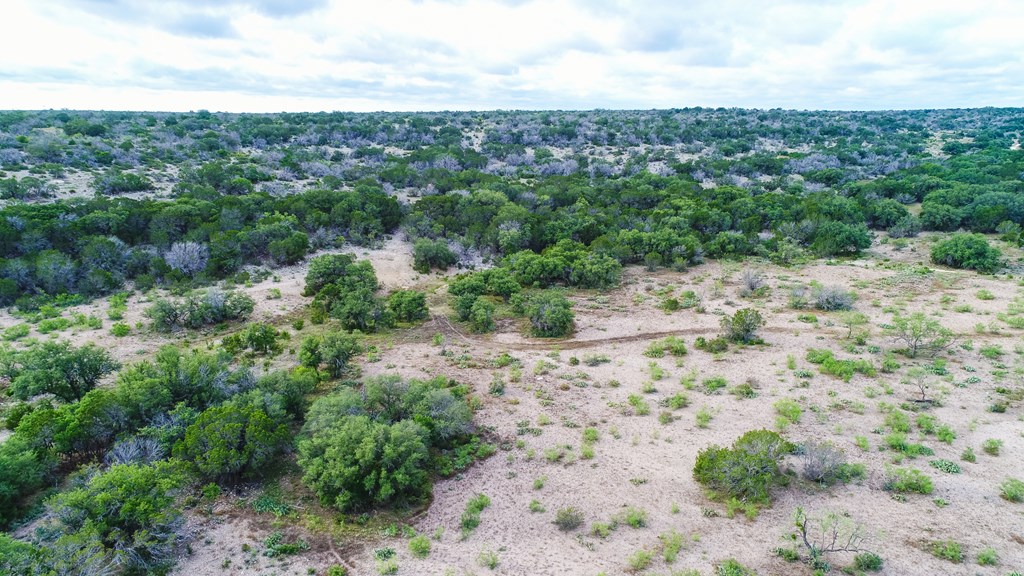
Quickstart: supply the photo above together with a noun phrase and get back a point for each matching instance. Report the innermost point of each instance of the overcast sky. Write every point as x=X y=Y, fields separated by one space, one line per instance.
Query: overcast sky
x=363 y=55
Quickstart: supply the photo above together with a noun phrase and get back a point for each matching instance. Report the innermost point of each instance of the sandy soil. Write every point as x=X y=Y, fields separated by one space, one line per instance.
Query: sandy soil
x=641 y=462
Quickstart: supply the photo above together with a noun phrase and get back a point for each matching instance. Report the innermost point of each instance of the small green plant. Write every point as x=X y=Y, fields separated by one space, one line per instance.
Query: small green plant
x=945 y=465
x=1012 y=489
x=868 y=562
x=471 y=516
x=731 y=567
x=988 y=557
x=992 y=446
x=968 y=455
x=714 y=384
x=703 y=417
x=789 y=410
x=536 y=506
x=907 y=480
x=634 y=517
x=948 y=550
x=488 y=559
x=568 y=519
x=419 y=546
x=120 y=329
x=945 y=434
x=639 y=560
x=671 y=544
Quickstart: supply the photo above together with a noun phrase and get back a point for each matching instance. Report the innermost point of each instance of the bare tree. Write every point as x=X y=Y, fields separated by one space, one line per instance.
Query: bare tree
x=189 y=258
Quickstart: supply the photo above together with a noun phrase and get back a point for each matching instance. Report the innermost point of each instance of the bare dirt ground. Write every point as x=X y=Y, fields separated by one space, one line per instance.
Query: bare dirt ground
x=646 y=461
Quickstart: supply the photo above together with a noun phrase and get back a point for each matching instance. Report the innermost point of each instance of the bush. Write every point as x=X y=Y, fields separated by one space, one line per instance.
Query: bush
x=831 y=298
x=868 y=561
x=903 y=480
x=948 y=550
x=992 y=446
x=988 y=557
x=1012 y=489
x=568 y=518
x=742 y=326
x=745 y=471
x=825 y=463
x=419 y=546
x=408 y=305
x=429 y=254
x=969 y=251
x=200 y=309
x=232 y=441
x=731 y=567
x=471 y=515
x=550 y=314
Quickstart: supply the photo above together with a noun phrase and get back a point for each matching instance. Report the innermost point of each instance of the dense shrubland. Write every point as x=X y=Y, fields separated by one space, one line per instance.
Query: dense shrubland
x=268 y=189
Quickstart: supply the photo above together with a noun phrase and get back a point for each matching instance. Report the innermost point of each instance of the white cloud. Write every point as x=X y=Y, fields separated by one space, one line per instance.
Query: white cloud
x=272 y=55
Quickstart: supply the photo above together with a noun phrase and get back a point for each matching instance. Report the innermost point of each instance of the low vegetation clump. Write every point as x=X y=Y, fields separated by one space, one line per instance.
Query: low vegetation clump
x=471 y=516
x=200 y=309
x=745 y=471
x=742 y=327
x=569 y=518
x=948 y=550
x=1012 y=490
x=908 y=480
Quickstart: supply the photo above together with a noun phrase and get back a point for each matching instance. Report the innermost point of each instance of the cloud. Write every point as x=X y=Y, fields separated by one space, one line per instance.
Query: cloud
x=459 y=54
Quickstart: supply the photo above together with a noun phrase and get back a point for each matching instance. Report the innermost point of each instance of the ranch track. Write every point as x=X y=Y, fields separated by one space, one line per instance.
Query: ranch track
x=444 y=326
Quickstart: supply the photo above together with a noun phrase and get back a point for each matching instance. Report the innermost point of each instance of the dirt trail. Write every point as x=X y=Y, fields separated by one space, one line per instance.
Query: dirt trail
x=445 y=327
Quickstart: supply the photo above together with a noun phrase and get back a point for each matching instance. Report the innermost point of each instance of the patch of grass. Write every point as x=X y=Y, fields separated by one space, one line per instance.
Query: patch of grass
x=488 y=559
x=419 y=546
x=788 y=409
x=471 y=516
x=536 y=506
x=948 y=550
x=714 y=384
x=988 y=557
x=1012 y=489
x=634 y=517
x=639 y=560
x=945 y=465
x=671 y=544
x=703 y=417
x=992 y=446
x=908 y=480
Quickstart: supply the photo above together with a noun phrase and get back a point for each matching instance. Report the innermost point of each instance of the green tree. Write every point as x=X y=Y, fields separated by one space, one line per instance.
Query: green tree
x=125 y=514
x=839 y=238
x=920 y=334
x=429 y=254
x=60 y=369
x=481 y=315
x=337 y=349
x=408 y=305
x=357 y=462
x=232 y=441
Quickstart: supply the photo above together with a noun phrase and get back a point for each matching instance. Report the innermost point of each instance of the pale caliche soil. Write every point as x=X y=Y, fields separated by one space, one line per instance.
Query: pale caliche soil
x=641 y=462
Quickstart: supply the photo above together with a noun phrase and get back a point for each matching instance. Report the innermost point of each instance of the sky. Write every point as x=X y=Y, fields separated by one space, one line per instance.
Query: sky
x=370 y=55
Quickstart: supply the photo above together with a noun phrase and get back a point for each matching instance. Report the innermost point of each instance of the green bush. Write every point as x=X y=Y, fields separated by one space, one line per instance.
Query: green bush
x=568 y=518
x=745 y=471
x=867 y=561
x=550 y=314
x=904 y=480
x=429 y=254
x=742 y=326
x=419 y=546
x=1012 y=489
x=731 y=567
x=988 y=557
x=948 y=550
x=408 y=305
x=970 y=251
